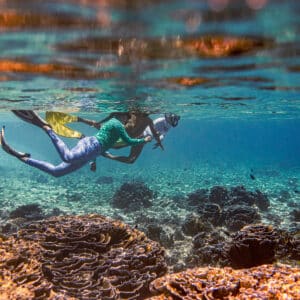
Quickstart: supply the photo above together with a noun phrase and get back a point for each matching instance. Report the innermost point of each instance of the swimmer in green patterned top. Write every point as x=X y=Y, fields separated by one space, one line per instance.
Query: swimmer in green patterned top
x=87 y=149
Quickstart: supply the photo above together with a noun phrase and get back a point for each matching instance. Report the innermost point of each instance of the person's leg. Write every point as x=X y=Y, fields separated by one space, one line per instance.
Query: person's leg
x=56 y=171
x=86 y=149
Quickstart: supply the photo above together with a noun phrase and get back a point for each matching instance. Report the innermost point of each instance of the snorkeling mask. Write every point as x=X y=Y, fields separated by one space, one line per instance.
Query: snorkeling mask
x=172 y=119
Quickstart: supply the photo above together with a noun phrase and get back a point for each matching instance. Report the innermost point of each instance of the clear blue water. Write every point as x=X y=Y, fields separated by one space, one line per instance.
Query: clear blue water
x=240 y=109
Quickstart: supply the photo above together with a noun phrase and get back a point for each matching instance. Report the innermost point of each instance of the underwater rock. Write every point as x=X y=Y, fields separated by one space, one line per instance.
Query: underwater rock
x=133 y=196
x=79 y=257
x=28 y=212
x=193 y=224
x=105 y=180
x=238 y=216
x=253 y=245
x=263 y=282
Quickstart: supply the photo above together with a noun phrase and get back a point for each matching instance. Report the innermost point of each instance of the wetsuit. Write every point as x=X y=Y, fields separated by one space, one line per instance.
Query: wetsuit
x=87 y=149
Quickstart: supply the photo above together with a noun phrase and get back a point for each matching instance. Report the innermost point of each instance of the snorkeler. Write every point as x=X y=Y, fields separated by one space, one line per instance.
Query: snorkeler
x=161 y=126
x=87 y=149
x=58 y=121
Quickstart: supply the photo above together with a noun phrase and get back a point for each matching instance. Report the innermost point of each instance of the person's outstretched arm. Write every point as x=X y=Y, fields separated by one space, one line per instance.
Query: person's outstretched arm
x=135 y=152
x=89 y=122
x=99 y=123
x=110 y=116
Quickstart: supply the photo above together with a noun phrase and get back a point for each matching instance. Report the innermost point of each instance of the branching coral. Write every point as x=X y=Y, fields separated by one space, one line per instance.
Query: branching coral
x=264 y=282
x=79 y=257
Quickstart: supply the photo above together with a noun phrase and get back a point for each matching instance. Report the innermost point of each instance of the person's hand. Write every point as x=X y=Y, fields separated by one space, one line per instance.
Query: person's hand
x=148 y=139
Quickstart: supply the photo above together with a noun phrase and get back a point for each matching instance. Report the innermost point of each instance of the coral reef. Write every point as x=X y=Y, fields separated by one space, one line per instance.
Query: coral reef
x=193 y=224
x=295 y=215
x=264 y=282
x=219 y=195
x=253 y=245
x=257 y=244
x=208 y=249
x=132 y=196
x=29 y=212
x=294 y=252
x=238 y=216
x=232 y=208
x=79 y=257
x=198 y=197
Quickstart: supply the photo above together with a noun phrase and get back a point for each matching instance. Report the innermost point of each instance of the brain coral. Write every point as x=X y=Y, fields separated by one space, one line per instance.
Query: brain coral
x=263 y=282
x=79 y=257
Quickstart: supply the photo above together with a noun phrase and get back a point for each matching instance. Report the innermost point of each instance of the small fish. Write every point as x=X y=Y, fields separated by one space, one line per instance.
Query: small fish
x=252 y=176
x=297 y=191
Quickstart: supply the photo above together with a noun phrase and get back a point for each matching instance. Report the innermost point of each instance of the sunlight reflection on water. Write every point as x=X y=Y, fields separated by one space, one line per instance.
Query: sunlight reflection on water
x=195 y=57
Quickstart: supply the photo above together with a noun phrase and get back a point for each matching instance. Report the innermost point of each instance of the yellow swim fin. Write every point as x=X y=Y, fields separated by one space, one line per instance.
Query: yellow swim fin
x=58 y=120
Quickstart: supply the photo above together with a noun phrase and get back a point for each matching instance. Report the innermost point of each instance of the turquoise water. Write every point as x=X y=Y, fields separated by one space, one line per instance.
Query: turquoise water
x=239 y=108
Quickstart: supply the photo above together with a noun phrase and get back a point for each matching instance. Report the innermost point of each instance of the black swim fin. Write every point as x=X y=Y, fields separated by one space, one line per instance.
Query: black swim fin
x=9 y=149
x=31 y=117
